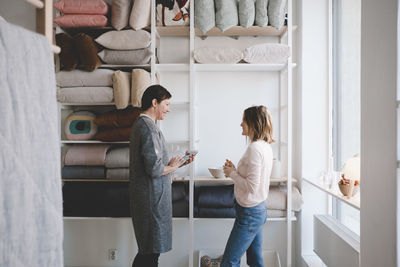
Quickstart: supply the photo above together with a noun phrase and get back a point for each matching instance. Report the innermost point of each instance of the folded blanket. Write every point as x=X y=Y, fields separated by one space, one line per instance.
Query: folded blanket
x=113 y=135
x=180 y=208
x=277 y=198
x=80 y=78
x=83 y=172
x=277 y=213
x=216 y=213
x=216 y=196
x=85 y=94
x=126 y=57
x=91 y=155
x=118 y=158
x=118 y=118
x=118 y=174
x=180 y=191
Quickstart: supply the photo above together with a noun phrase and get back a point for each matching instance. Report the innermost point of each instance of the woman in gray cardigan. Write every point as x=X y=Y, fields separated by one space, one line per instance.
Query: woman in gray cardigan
x=150 y=181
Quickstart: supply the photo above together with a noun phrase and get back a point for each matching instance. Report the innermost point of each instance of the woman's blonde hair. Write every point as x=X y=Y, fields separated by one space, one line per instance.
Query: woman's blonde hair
x=259 y=123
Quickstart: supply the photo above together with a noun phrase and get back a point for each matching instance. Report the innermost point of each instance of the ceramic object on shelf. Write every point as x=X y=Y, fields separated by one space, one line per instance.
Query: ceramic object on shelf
x=216 y=173
x=345 y=189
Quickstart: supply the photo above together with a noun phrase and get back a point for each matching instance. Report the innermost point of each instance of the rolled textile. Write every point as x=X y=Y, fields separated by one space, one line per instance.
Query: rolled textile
x=113 y=135
x=179 y=191
x=118 y=174
x=90 y=155
x=118 y=157
x=80 y=78
x=180 y=208
x=216 y=197
x=85 y=94
x=216 y=213
x=118 y=118
x=83 y=172
x=277 y=198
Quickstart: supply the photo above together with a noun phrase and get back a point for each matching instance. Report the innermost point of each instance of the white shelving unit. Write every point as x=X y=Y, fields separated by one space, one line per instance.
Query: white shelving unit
x=193 y=69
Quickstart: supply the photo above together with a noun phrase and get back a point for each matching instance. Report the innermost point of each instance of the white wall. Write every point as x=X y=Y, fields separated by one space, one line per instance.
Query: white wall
x=378 y=132
x=314 y=112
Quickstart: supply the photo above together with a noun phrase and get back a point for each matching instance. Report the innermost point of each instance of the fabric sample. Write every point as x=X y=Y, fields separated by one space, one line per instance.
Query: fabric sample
x=87 y=51
x=261 y=14
x=204 y=15
x=83 y=172
x=226 y=14
x=120 y=11
x=246 y=13
x=113 y=135
x=118 y=174
x=118 y=158
x=80 y=126
x=126 y=57
x=68 y=56
x=178 y=15
x=31 y=226
x=216 y=197
x=90 y=155
x=276 y=13
x=140 y=14
x=122 y=88
x=118 y=118
x=141 y=79
x=125 y=40
x=216 y=55
x=277 y=198
x=85 y=95
x=79 y=78
x=267 y=54
x=80 y=21
x=96 y=7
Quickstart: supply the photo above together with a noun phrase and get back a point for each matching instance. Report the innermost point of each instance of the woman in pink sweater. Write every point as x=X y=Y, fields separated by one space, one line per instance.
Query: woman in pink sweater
x=251 y=185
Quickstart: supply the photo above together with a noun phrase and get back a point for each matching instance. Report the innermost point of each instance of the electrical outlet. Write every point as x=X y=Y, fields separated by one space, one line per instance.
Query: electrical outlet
x=112 y=254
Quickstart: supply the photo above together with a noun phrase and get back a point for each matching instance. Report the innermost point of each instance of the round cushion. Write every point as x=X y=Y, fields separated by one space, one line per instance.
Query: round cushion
x=80 y=126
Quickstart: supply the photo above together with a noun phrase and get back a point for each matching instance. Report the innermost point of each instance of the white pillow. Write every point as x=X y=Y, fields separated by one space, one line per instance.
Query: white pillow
x=215 y=55
x=140 y=14
x=125 y=40
x=267 y=53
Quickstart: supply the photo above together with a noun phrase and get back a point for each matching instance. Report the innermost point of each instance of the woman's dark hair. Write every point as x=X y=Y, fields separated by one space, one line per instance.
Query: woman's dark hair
x=259 y=123
x=156 y=92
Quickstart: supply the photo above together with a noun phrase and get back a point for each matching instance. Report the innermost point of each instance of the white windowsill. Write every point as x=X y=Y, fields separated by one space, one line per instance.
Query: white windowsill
x=335 y=192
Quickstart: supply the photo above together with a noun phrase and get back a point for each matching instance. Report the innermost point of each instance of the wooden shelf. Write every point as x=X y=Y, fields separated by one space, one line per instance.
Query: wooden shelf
x=210 y=179
x=242 y=67
x=88 y=104
x=92 y=142
x=269 y=219
x=234 y=31
x=172 y=67
x=335 y=192
x=113 y=66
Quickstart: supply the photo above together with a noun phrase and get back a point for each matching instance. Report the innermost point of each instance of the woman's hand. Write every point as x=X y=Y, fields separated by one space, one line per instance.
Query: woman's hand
x=229 y=167
x=175 y=162
x=190 y=160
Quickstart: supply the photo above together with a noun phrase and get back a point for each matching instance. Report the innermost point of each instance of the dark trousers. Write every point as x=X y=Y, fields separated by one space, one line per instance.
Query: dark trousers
x=146 y=260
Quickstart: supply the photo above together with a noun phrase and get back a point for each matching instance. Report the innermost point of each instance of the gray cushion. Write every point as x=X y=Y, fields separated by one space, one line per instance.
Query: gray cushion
x=276 y=13
x=226 y=14
x=85 y=94
x=79 y=78
x=120 y=11
x=261 y=13
x=125 y=40
x=204 y=15
x=246 y=13
x=126 y=57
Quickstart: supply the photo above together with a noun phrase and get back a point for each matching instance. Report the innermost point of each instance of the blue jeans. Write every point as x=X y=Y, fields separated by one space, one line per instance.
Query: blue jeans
x=246 y=236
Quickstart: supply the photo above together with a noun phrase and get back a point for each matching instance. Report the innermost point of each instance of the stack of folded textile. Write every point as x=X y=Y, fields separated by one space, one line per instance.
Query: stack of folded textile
x=117 y=163
x=115 y=126
x=277 y=201
x=180 y=199
x=215 y=202
x=85 y=162
x=126 y=47
x=81 y=13
x=85 y=87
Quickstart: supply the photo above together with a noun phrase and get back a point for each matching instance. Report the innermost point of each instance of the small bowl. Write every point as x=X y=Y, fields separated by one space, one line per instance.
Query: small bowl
x=345 y=189
x=216 y=173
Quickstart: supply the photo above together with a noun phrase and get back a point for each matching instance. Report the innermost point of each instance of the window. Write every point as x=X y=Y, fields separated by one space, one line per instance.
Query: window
x=346 y=22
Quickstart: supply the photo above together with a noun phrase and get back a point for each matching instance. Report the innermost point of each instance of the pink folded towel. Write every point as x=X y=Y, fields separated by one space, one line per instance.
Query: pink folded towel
x=90 y=155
